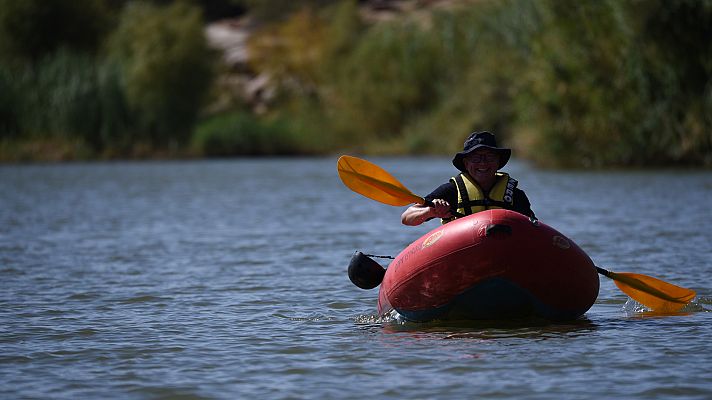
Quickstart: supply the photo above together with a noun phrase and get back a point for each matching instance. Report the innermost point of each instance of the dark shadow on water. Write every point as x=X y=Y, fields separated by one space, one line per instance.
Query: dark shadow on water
x=528 y=328
x=657 y=314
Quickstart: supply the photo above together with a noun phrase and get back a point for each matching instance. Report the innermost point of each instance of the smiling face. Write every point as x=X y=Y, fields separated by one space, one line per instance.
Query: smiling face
x=482 y=165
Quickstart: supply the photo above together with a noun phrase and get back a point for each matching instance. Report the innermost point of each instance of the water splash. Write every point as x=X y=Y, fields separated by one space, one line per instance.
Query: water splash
x=310 y=317
x=699 y=304
x=388 y=318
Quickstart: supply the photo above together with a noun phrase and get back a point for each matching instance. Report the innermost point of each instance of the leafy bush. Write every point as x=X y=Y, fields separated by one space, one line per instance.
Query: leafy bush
x=8 y=104
x=483 y=56
x=32 y=29
x=278 y=10
x=245 y=135
x=390 y=77
x=602 y=91
x=166 y=68
x=588 y=83
x=65 y=95
x=291 y=52
x=149 y=89
x=596 y=83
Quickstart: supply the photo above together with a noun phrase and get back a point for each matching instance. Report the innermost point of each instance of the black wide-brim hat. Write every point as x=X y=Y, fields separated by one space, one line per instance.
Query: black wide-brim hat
x=480 y=140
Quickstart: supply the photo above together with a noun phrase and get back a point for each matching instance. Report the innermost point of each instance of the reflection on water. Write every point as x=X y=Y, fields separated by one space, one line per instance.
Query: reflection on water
x=496 y=329
x=227 y=279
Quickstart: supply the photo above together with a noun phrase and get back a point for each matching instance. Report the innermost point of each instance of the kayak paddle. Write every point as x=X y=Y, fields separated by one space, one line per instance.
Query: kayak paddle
x=653 y=293
x=372 y=181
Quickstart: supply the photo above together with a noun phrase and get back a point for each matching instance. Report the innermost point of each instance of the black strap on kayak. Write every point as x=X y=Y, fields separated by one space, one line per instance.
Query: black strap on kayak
x=373 y=255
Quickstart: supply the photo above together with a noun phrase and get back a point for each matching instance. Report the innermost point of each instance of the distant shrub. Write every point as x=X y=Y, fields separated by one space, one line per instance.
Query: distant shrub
x=65 y=95
x=242 y=134
x=8 y=104
x=484 y=53
x=277 y=10
x=166 y=68
x=390 y=77
x=291 y=52
x=603 y=91
x=32 y=29
x=46 y=97
x=589 y=83
x=148 y=89
x=593 y=83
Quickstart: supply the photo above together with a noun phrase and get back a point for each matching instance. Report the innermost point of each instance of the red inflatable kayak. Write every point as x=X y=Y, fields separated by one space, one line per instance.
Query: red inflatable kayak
x=495 y=264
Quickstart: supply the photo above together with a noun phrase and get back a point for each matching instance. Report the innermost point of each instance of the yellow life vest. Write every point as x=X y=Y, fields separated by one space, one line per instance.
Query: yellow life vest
x=471 y=198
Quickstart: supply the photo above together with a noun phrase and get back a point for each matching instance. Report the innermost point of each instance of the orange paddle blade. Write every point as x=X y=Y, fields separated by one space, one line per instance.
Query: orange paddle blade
x=372 y=181
x=651 y=292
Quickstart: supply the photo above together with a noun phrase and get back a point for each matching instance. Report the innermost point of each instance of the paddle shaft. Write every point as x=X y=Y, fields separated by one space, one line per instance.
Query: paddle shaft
x=604 y=272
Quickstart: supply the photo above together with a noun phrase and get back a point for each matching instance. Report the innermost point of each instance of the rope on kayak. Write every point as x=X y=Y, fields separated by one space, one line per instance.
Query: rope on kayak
x=373 y=255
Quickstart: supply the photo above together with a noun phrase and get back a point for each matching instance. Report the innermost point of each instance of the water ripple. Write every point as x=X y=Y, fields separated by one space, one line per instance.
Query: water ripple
x=154 y=280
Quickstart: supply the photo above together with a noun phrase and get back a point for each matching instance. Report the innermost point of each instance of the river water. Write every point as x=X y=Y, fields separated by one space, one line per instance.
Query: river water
x=227 y=279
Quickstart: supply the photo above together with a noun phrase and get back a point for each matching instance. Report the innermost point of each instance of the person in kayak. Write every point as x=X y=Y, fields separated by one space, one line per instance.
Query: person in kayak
x=477 y=188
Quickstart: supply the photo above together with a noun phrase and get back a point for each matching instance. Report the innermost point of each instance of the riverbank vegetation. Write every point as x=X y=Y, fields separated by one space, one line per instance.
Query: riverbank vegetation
x=594 y=83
